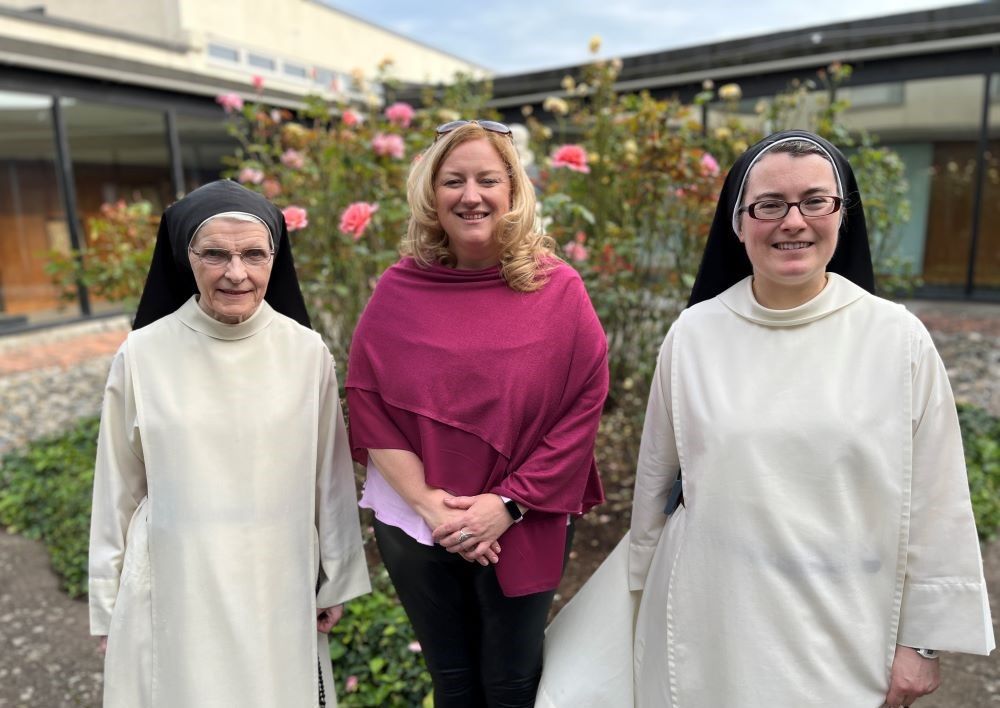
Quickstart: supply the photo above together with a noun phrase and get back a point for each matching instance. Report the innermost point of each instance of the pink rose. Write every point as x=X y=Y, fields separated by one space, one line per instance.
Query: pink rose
x=230 y=102
x=400 y=114
x=351 y=685
x=292 y=159
x=356 y=218
x=575 y=250
x=258 y=83
x=709 y=165
x=414 y=647
x=573 y=157
x=295 y=218
x=388 y=145
x=250 y=175
x=271 y=188
x=350 y=118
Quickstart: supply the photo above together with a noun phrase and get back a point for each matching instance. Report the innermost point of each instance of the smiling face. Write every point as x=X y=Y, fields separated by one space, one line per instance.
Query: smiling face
x=232 y=292
x=789 y=255
x=471 y=195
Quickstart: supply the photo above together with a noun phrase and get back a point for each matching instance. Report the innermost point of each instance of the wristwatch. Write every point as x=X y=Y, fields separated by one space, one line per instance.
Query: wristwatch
x=928 y=653
x=513 y=509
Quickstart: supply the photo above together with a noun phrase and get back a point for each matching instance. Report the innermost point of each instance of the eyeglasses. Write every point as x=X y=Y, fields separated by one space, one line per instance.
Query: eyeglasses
x=216 y=257
x=490 y=125
x=774 y=209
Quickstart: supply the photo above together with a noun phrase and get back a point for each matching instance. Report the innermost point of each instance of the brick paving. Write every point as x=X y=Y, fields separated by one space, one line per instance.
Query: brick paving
x=62 y=354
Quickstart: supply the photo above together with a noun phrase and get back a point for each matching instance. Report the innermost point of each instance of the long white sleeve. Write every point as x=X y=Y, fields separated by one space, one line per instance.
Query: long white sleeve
x=119 y=486
x=344 y=570
x=944 y=603
x=656 y=470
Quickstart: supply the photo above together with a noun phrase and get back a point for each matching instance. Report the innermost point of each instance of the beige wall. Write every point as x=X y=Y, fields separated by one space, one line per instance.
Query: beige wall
x=303 y=32
x=156 y=19
x=310 y=32
x=942 y=108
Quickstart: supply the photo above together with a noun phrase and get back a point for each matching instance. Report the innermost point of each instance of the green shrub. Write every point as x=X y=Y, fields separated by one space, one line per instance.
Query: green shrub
x=116 y=259
x=45 y=494
x=376 y=657
x=981 y=438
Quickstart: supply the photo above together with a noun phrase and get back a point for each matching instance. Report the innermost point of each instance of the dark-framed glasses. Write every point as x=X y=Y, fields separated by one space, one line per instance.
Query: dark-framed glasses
x=490 y=125
x=216 y=257
x=774 y=209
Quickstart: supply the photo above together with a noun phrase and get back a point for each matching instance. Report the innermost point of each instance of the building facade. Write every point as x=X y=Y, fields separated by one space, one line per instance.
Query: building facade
x=103 y=100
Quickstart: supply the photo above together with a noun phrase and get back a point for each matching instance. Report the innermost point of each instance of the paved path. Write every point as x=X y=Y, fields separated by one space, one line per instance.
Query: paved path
x=48 y=380
x=46 y=656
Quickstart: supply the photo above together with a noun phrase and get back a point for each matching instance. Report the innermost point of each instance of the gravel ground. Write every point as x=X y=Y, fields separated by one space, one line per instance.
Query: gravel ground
x=48 y=659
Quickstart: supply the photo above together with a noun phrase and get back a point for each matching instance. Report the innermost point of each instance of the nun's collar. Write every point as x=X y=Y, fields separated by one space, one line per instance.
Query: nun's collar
x=197 y=319
x=838 y=293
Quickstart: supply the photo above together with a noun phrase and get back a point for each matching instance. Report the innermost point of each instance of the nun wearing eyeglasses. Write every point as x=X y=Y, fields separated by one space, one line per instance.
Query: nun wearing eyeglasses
x=825 y=550
x=477 y=376
x=225 y=533
x=819 y=548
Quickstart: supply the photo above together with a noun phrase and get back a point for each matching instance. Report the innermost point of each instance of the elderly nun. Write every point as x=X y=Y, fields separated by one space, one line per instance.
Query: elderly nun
x=225 y=532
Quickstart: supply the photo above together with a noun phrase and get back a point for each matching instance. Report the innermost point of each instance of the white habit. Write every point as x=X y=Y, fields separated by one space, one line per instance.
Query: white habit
x=827 y=511
x=224 y=514
x=827 y=514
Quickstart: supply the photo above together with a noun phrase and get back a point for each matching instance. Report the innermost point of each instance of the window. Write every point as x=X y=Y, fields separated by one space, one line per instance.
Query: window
x=32 y=219
x=259 y=61
x=324 y=77
x=933 y=124
x=873 y=95
x=296 y=70
x=986 y=276
x=223 y=53
x=205 y=143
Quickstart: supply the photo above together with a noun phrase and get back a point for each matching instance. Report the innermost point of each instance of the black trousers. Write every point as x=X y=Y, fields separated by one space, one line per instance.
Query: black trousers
x=482 y=649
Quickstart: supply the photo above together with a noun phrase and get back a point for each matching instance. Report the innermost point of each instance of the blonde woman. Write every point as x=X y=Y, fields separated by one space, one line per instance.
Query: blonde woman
x=477 y=376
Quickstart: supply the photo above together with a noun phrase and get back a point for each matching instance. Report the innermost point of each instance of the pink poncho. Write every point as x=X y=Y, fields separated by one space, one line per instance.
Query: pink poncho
x=526 y=373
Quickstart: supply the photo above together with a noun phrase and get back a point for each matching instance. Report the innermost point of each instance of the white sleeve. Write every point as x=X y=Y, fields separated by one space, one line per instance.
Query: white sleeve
x=119 y=487
x=343 y=568
x=656 y=470
x=944 y=604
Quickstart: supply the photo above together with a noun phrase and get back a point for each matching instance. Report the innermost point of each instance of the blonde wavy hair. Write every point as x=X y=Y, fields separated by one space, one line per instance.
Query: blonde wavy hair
x=526 y=253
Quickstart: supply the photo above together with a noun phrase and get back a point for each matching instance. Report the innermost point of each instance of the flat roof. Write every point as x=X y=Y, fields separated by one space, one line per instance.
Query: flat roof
x=926 y=31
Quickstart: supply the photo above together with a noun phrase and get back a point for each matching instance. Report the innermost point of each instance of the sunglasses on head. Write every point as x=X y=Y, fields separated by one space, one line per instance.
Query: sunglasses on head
x=490 y=125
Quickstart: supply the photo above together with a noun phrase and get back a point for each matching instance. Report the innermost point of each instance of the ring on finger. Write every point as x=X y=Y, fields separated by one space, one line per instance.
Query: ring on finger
x=464 y=536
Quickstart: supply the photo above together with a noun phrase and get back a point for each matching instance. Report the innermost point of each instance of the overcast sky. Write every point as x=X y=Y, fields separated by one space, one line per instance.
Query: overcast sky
x=510 y=36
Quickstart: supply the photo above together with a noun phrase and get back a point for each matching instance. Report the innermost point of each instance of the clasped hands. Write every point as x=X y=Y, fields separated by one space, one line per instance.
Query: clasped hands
x=470 y=526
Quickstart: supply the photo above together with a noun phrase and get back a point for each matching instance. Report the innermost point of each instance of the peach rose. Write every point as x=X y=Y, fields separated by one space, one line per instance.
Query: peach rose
x=573 y=157
x=295 y=218
x=356 y=218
